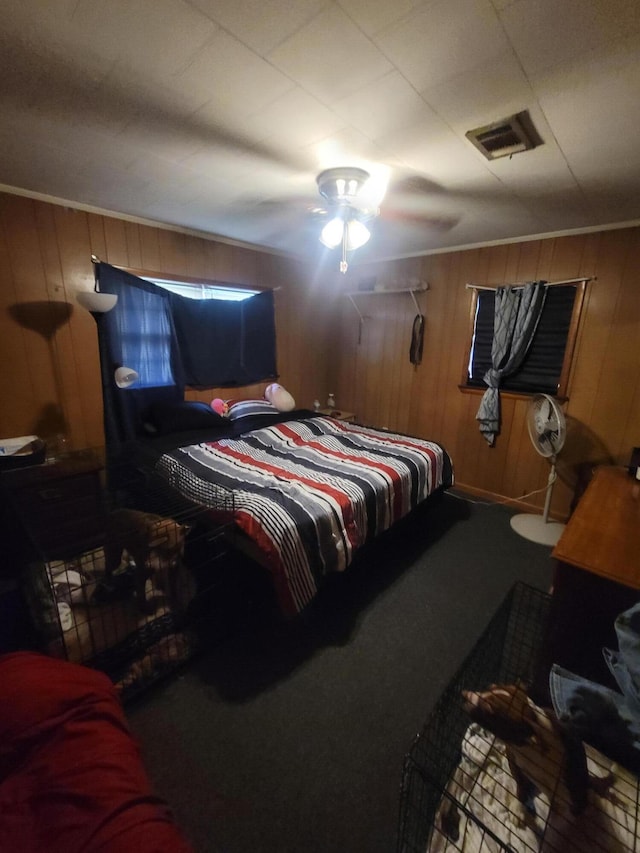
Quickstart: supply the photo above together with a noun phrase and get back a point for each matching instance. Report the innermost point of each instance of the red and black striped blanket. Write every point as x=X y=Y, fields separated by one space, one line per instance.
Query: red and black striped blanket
x=310 y=492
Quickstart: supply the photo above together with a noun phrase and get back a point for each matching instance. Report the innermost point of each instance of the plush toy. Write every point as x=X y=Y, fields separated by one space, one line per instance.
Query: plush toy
x=220 y=407
x=279 y=397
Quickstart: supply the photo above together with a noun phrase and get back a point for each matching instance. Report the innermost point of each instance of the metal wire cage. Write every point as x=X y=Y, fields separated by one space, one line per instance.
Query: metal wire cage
x=127 y=590
x=462 y=789
x=507 y=651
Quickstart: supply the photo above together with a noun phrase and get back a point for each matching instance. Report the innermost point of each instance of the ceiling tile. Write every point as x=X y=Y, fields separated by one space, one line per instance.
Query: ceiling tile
x=374 y=15
x=330 y=57
x=403 y=106
x=491 y=91
x=155 y=37
x=231 y=78
x=432 y=149
x=594 y=106
x=261 y=26
x=295 y=118
x=442 y=39
x=545 y=32
x=347 y=147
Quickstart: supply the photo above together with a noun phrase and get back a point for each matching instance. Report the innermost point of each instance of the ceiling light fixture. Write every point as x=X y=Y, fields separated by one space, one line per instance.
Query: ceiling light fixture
x=340 y=187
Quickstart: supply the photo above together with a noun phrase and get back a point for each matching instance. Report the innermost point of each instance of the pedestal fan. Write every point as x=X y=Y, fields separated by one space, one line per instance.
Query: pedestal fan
x=547 y=430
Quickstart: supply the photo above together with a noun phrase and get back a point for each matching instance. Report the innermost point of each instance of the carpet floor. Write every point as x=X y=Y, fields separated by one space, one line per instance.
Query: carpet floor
x=290 y=737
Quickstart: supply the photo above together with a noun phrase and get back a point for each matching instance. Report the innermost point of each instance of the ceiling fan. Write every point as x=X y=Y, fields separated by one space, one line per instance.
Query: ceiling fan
x=355 y=204
x=349 y=211
x=350 y=205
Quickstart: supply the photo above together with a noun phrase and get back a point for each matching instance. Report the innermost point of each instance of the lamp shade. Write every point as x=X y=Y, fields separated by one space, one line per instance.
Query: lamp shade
x=331 y=234
x=96 y=302
x=357 y=234
x=125 y=376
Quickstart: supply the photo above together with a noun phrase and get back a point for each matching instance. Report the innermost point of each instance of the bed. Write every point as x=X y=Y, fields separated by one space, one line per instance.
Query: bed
x=308 y=491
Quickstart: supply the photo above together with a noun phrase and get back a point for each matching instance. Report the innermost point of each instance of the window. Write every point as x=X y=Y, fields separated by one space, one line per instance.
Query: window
x=203 y=290
x=545 y=368
x=145 y=337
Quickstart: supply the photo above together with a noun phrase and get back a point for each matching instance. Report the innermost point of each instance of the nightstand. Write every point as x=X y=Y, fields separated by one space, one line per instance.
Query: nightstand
x=338 y=414
x=54 y=510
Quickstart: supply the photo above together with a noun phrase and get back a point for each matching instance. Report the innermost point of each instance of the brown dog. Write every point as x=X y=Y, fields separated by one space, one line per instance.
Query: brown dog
x=543 y=754
x=156 y=545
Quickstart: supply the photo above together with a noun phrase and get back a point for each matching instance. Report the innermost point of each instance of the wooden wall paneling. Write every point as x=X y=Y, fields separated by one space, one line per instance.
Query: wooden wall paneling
x=389 y=315
x=196 y=258
x=529 y=261
x=631 y=437
x=173 y=254
x=150 y=248
x=459 y=426
x=97 y=239
x=247 y=269
x=513 y=482
x=404 y=326
x=545 y=259
x=134 y=247
x=568 y=253
x=346 y=358
x=32 y=303
x=385 y=312
x=16 y=392
x=115 y=236
x=223 y=258
x=371 y=335
x=427 y=389
x=456 y=330
x=74 y=247
x=63 y=351
x=512 y=265
x=621 y=359
x=596 y=331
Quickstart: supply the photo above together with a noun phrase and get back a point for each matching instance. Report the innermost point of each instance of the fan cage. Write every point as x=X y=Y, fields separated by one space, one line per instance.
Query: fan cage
x=535 y=434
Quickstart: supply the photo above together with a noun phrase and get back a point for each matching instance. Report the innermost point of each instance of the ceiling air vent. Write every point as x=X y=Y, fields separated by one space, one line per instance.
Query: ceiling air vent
x=505 y=137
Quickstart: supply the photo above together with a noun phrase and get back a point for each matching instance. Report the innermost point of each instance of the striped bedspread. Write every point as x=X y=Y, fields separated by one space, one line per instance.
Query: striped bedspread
x=310 y=492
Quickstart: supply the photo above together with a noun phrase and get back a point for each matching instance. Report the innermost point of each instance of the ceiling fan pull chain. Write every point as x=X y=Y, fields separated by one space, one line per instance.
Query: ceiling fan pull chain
x=343 y=263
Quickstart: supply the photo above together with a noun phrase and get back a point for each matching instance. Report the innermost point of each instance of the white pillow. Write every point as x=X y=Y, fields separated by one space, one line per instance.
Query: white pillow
x=279 y=397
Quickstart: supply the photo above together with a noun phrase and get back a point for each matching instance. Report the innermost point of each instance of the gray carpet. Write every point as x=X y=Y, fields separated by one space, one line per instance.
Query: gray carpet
x=291 y=737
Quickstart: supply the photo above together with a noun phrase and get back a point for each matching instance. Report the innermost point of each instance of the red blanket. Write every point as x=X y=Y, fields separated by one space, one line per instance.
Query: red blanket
x=71 y=778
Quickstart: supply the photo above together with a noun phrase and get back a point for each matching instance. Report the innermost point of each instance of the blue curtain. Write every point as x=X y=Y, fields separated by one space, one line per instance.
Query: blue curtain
x=137 y=333
x=226 y=344
x=172 y=341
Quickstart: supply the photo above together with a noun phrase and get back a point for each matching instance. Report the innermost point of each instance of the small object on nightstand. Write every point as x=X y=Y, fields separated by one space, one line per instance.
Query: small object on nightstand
x=316 y=405
x=331 y=402
x=338 y=414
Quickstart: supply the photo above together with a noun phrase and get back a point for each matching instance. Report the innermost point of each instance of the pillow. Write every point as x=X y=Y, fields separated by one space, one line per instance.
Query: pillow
x=163 y=418
x=247 y=408
x=280 y=397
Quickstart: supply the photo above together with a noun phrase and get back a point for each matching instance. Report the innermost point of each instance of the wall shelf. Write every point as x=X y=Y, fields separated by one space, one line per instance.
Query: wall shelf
x=420 y=288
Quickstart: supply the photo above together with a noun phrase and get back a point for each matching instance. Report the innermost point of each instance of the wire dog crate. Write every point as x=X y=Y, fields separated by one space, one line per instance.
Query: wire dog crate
x=128 y=590
x=458 y=790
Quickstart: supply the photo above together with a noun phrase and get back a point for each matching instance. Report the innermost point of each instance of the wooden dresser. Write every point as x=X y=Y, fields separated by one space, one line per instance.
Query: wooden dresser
x=597 y=574
x=603 y=534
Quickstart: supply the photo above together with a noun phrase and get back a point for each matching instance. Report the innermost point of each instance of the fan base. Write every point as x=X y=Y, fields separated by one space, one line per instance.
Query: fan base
x=536 y=529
